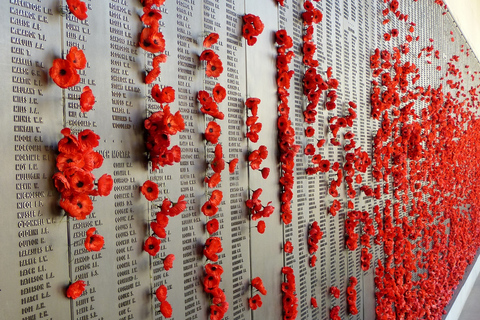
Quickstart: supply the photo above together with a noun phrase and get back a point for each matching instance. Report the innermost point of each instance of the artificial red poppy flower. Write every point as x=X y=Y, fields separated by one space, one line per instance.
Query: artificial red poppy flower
x=78 y=9
x=87 y=100
x=166 y=309
x=314 y=303
x=213 y=246
x=168 y=262
x=257 y=283
x=150 y=190
x=255 y=302
x=214 y=68
x=93 y=242
x=265 y=172
x=334 y=291
x=214 y=180
x=252 y=27
x=152 y=75
x=210 y=40
x=212 y=132
x=151 y=16
x=309 y=149
x=158 y=229
x=76 y=289
x=77 y=58
x=161 y=293
x=208 y=55
x=161 y=58
x=313 y=261
x=63 y=73
x=105 y=185
x=166 y=95
x=212 y=226
x=288 y=247
x=219 y=93
x=209 y=209
x=152 y=41
x=77 y=206
x=152 y=245
x=309 y=131
x=216 y=197
x=386 y=36
x=261 y=227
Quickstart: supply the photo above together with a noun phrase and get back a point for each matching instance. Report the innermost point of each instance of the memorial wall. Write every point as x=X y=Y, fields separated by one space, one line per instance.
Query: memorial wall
x=323 y=154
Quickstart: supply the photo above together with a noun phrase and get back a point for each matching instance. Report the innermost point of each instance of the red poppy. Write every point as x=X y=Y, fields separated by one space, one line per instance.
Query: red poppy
x=219 y=93
x=209 y=209
x=208 y=55
x=257 y=283
x=232 y=164
x=210 y=40
x=78 y=9
x=214 y=68
x=93 y=242
x=76 y=289
x=213 y=246
x=168 y=262
x=212 y=226
x=78 y=206
x=261 y=227
x=214 y=180
x=288 y=247
x=158 y=229
x=152 y=41
x=105 y=184
x=265 y=173
x=63 y=73
x=309 y=149
x=152 y=75
x=87 y=100
x=151 y=16
x=150 y=190
x=166 y=309
x=216 y=197
x=166 y=95
x=161 y=58
x=161 y=293
x=335 y=292
x=255 y=302
x=386 y=36
x=212 y=132
x=309 y=131
x=314 y=303
x=152 y=245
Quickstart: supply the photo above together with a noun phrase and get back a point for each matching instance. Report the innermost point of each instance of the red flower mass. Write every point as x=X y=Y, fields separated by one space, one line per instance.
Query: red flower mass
x=76 y=289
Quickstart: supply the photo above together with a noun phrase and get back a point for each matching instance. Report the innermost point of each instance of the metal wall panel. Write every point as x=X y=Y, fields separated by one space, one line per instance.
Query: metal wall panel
x=43 y=249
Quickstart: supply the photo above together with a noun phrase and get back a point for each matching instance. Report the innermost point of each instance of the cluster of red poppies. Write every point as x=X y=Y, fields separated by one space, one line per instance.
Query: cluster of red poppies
x=256 y=301
x=289 y=299
x=78 y=8
x=314 y=236
x=214 y=67
x=151 y=39
x=286 y=132
x=252 y=27
x=64 y=71
x=354 y=218
x=334 y=313
x=257 y=210
x=357 y=160
x=160 y=126
x=352 y=296
x=253 y=127
x=75 y=181
x=211 y=282
x=165 y=307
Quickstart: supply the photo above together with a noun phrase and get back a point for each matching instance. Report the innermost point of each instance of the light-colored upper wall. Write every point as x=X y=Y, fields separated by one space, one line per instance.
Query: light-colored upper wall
x=467 y=16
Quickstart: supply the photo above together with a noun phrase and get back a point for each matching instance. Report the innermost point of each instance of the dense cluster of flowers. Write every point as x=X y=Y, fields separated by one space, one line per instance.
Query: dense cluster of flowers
x=75 y=181
x=165 y=307
x=256 y=301
x=286 y=132
x=64 y=71
x=289 y=299
x=352 y=296
x=314 y=236
x=214 y=66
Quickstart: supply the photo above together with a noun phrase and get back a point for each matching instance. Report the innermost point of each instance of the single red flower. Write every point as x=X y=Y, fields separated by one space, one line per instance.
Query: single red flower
x=219 y=93
x=213 y=245
x=334 y=291
x=261 y=227
x=212 y=132
x=166 y=95
x=63 y=73
x=209 y=209
x=216 y=197
x=87 y=100
x=151 y=16
x=78 y=9
x=257 y=283
x=77 y=58
x=265 y=173
x=309 y=131
x=161 y=293
x=208 y=55
x=150 y=190
x=255 y=302
x=210 y=40
x=152 y=41
x=288 y=247
x=168 y=262
x=78 y=206
x=152 y=245
x=105 y=185
x=232 y=164
x=158 y=229
x=214 y=68
x=166 y=309
x=93 y=242
x=314 y=303
x=212 y=226
x=76 y=289
x=152 y=75
x=214 y=180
